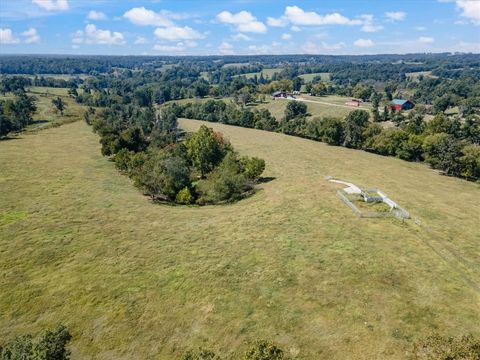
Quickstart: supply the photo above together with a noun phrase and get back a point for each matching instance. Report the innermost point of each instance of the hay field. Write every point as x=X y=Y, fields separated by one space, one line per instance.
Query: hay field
x=134 y=280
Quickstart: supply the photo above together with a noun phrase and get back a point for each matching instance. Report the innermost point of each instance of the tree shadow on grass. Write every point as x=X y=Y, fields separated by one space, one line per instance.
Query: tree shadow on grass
x=37 y=122
x=7 y=138
x=266 y=179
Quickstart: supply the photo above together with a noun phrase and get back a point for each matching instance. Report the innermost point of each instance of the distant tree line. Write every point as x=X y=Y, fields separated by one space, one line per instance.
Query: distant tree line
x=446 y=143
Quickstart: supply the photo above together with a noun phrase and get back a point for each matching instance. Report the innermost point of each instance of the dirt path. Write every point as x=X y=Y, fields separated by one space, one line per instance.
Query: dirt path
x=327 y=103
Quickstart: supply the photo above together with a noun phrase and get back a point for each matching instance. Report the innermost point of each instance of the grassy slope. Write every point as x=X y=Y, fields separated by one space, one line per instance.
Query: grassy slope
x=133 y=280
x=46 y=116
x=277 y=107
x=309 y=77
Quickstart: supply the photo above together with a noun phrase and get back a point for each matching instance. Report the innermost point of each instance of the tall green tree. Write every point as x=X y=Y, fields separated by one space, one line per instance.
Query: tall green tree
x=355 y=124
x=295 y=109
x=206 y=149
x=59 y=104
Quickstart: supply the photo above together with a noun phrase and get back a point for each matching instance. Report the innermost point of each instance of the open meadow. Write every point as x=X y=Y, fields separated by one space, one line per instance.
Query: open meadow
x=80 y=245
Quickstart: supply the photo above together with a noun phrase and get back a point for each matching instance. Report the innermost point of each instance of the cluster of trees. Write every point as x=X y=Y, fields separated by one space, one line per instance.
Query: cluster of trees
x=51 y=345
x=446 y=143
x=16 y=114
x=202 y=169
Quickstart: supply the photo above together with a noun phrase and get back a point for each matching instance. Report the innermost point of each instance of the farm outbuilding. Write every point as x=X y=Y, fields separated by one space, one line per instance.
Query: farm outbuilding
x=279 y=94
x=400 y=104
x=353 y=102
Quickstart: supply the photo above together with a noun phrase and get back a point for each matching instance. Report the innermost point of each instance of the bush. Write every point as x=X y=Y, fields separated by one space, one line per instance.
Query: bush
x=184 y=196
x=437 y=347
x=163 y=175
x=226 y=183
x=51 y=346
x=252 y=167
x=295 y=109
x=442 y=152
x=200 y=354
x=122 y=160
x=264 y=350
x=470 y=162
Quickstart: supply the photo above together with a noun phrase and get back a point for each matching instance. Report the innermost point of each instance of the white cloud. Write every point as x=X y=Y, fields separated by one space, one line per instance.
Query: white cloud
x=364 y=43
x=297 y=16
x=244 y=21
x=426 y=40
x=394 y=16
x=179 y=47
x=96 y=15
x=470 y=9
x=277 y=22
x=174 y=33
x=31 y=36
x=241 y=37
x=368 y=24
x=420 y=28
x=92 y=35
x=312 y=48
x=140 y=40
x=286 y=36
x=371 y=28
x=145 y=17
x=259 y=49
x=226 y=48
x=295 y=28
x=7 y=37
x=52 y=5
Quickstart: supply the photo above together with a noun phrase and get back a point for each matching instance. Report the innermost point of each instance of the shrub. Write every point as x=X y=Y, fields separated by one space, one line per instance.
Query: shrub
x=184 y=196
x=253 y=167
x=442 y=152
x=200 y=354
x=295 y=109
x=122 y=160
x=470 y=162
x=163 y=175
x=51 y=346
x=264 y=350
x=226 y=183
x=437 y=347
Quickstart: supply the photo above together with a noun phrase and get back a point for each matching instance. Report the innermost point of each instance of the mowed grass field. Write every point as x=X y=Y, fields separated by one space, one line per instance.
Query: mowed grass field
x=309 y=77
x=320 y=106
x=80 y=245
x=317 y=106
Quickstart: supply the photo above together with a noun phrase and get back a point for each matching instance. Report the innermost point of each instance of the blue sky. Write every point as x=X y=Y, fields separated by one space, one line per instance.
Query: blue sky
x=164 y=27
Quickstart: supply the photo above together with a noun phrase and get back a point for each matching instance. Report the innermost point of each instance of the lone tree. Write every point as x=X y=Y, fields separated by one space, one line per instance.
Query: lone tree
x=59 y=104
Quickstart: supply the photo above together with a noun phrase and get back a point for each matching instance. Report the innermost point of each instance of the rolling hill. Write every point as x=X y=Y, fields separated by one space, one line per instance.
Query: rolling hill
x=135 y=280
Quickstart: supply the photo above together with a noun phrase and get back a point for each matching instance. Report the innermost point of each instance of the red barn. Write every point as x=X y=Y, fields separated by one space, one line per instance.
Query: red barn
x=399 y=104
